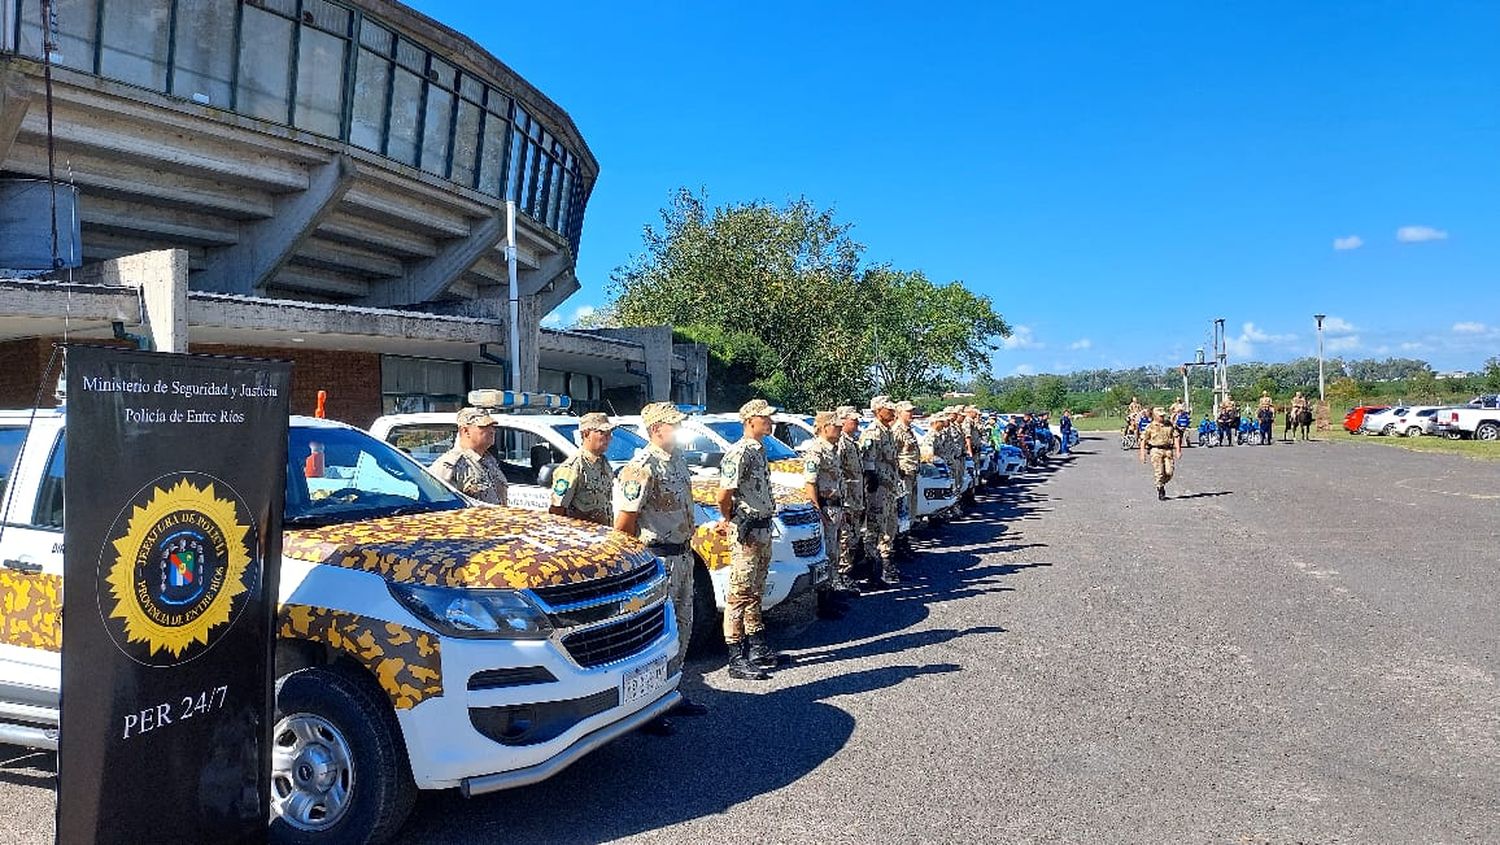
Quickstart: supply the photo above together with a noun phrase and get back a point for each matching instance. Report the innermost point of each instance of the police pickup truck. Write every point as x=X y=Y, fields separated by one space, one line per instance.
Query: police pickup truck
x=424 y=641
x=530 y=445
x=1474 y=422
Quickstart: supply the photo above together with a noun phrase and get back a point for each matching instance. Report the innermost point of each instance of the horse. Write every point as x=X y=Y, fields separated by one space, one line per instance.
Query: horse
x=1297 y=419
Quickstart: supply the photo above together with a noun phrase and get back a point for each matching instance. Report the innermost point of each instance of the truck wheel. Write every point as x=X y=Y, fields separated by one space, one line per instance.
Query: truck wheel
x=1414 y=431
x=338 y=766
x=708 y=633
x=1487 y=431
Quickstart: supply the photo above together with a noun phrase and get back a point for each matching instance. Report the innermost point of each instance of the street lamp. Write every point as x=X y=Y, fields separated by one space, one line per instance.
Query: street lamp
x=1320 y=318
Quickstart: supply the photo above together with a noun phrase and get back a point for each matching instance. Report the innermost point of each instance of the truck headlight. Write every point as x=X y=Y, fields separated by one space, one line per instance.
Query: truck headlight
x=474 y=614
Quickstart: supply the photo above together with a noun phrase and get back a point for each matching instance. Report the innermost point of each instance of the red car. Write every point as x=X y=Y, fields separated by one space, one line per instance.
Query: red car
x=1356 y=417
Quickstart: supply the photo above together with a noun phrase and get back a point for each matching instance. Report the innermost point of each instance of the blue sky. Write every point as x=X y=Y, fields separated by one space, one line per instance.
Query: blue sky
x=1113 y=175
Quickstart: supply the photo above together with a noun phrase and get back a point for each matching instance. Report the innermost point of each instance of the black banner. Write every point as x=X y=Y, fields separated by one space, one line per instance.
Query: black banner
x=176 y=469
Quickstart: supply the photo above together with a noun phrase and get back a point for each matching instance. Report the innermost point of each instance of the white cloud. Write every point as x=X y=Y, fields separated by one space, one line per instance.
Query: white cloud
x=1338 y=325
x=1351 y=242
x=1346 y=343
x=1244 y=346
x=1020 y=338
x=1412 y=346
x=1081 y=343
x=1418 y=234
x=1470 y=328
x=1023 y=370
x=582 y=313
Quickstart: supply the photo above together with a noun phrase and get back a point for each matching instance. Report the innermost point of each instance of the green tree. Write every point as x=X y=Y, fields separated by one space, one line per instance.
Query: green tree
x=920 y=333
x=1018 y=399
x=1343 y=392
x=1492 y=374
x=782 y=277
x=1052 y=393
x=1423 y=385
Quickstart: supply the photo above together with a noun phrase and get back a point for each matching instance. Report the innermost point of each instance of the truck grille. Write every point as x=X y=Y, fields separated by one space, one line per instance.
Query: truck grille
x=599 y=588
x=616 y=640
x=810 y=547
x=799 y=516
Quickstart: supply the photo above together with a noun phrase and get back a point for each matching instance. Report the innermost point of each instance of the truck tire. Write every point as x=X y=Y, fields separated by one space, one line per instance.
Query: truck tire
x=339 y=773
x=1487 y=431
x=708 y=631
x=1414 y=431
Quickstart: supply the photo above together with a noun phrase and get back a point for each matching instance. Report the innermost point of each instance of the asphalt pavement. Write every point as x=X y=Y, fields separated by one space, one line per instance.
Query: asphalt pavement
x=1301 y=646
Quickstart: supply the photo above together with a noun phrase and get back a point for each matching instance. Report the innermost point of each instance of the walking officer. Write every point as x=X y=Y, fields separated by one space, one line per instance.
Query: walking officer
x=854 y=500
x=655 y=503
x=882 y=477
x=469 y=465
x=1160 y=439
x=582 y=486
x=746 y=509
x=908 y=458
x=823 y=478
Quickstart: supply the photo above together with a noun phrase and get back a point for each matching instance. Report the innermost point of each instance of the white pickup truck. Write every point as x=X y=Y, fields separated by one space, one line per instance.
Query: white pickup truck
x=424 y=641
x=1470 y=422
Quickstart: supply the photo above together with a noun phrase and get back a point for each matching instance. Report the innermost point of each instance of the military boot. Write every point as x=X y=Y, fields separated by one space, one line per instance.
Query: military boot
x=843 y=587
x=904 y=549
x=889 y=573
x=1161 y=494
x=829 y=606
x=759 y=653
x=740 y=666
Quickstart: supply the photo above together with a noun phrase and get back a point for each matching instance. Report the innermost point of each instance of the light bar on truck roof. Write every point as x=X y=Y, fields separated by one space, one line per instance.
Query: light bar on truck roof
x=518 y=399
x=692 y=409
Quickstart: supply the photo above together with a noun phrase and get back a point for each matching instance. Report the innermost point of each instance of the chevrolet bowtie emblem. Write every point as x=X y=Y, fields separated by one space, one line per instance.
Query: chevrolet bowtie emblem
x=632 y=605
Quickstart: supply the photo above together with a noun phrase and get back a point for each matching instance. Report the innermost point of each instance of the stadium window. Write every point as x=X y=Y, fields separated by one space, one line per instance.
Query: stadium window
x=265 y=66
x=135 y=36
x=322 y=55
x=77 y=24
x=372 y=87
x=203 y=52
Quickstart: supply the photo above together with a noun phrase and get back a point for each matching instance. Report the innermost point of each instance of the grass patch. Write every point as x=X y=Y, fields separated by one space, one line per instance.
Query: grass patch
x=1099 y=423
x=1475 y=449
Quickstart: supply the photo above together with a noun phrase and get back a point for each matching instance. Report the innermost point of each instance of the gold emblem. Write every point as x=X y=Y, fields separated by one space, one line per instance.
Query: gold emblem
x=178 y=569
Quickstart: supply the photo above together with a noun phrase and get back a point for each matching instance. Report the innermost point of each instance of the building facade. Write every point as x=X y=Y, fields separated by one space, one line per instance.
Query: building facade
x=318 y=170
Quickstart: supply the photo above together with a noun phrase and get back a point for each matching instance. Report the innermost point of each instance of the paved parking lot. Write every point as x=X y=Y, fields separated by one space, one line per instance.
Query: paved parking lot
x=1302 y=646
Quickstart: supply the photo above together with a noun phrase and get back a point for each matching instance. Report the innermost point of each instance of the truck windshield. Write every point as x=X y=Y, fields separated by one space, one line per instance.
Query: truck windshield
x=733 y=430
x=337 y=475
x=622 y=446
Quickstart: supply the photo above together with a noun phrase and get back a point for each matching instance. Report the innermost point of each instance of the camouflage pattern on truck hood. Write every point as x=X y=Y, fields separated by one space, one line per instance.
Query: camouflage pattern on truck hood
x=706 y=492
x=473 y=547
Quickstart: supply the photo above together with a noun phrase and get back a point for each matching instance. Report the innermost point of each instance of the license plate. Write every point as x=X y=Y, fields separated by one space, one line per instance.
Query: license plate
x=821 y=572
x=642 y=681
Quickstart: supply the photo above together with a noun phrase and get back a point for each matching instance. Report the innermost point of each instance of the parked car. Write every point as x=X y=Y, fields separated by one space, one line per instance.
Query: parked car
x=398 y=669
x=798 y=560
x=1356 y=417
x=1397 y=420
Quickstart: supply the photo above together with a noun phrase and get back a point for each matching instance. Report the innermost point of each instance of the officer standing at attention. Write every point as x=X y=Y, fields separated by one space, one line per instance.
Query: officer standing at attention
x=655 y=503
x=854 y=499
x=908 y=458
x=746 y=507
x=469 y=465
x=882 y=477
x=583 y=485
x=823 y=480
x=1160 y=439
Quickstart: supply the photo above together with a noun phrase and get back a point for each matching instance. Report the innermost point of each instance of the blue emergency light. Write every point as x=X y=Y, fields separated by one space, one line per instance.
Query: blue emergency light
x=518 y=399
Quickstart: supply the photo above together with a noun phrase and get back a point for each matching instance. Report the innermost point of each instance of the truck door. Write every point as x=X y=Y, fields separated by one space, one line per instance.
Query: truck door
x=31 y=563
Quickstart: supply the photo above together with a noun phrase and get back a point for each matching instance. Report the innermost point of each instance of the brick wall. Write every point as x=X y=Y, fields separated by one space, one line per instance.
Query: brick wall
x=21 y=366
x=352 y=379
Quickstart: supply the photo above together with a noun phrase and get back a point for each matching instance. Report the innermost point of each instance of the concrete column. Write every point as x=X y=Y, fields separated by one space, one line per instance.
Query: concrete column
x=657 y=342
x=162 y=278
x=531 y=353
x=15 y=97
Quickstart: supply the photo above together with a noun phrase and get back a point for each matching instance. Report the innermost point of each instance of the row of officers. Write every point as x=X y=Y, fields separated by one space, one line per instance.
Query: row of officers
x=853 y=478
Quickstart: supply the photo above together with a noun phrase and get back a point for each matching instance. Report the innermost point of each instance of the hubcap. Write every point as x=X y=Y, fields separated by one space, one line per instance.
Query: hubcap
x=312 y=772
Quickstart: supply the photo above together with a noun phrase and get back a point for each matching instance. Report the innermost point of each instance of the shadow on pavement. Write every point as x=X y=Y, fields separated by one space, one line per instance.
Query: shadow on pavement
x=1203 y=495
x=26 y=767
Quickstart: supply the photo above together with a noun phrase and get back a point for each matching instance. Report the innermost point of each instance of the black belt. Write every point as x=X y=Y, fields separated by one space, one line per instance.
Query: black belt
x=1154 y=446
x=667 y=549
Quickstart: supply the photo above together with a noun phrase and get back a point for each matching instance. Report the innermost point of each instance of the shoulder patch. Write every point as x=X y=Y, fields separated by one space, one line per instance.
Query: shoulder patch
x=631 y=490
x=560 y=486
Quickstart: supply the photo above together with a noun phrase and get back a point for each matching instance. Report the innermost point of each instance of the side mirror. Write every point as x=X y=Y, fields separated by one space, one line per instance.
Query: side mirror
x=544 y=475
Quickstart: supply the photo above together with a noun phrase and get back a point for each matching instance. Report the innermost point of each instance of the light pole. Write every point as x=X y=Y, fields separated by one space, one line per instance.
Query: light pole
x=1320 y=318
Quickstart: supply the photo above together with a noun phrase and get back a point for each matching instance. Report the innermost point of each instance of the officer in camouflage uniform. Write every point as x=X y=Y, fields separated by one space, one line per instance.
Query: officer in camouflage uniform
x=958 y=427
x=654 y=497
x=746 y=507
x=823 y=480
x=882 y=477
x=945 y=444
x=470 y=466
x=1160 y=439
x=908 y=458
x=854 y=499
x=583 y=484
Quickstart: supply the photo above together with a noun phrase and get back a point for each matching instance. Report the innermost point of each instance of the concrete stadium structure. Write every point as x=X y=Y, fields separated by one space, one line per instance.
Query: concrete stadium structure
x=300 y=177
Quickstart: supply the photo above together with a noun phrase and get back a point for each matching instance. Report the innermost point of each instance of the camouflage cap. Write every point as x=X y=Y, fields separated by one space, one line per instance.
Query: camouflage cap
x=756 y=408
x=881 y=402
x=903 y=405
x=595 y=422
x=823 y=418
x=661 y=412
x=475 y=416
x=845 y=412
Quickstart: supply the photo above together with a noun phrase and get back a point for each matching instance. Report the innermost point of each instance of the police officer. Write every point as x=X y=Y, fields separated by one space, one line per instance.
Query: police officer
x=908 y=458
x=583 y=484
x=823 y=480
x=746 y=507
x=1160 y=440
x=882 y=478
x=854 y=500
x=469 y=465
x=655 y=503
